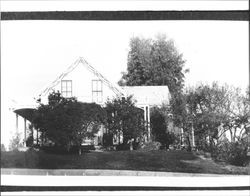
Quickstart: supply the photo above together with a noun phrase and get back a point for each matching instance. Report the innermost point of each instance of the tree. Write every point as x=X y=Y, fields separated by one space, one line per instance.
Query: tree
x=182 y=113
x=123 y=118
x=66 y=122
x=154 y=62
x=212 y=111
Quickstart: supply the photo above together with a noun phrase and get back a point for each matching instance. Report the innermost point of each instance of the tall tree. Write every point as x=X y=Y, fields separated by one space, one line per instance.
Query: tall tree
x=154 y=62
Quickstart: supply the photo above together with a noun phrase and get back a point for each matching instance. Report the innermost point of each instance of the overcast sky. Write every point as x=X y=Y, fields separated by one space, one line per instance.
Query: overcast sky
x=34 y=53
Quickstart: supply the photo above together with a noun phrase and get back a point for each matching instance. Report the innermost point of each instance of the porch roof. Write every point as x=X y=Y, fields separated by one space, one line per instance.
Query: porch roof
x=27 y=113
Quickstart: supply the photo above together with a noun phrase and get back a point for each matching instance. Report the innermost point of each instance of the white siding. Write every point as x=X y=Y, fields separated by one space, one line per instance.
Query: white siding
x=82 y=85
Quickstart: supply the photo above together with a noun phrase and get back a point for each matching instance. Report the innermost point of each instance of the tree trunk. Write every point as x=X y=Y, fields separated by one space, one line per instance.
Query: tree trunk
x=189 y=144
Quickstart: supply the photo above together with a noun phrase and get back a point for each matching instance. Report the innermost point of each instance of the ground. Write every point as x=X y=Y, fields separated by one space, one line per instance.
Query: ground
x=167 y=161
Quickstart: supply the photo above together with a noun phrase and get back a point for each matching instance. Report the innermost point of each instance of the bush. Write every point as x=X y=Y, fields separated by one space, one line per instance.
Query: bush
x=123 y=147
x=3 y=149
x=16 y=159
x=107 y=139
x=151 y=146
x=234 y=153
x=15 y=142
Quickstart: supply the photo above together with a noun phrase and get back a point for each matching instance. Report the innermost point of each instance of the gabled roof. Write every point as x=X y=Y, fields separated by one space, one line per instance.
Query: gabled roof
x=83 y=62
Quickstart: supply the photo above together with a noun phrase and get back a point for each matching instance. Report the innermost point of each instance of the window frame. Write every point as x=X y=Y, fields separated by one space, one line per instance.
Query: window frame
x=66 y=93
x=97 y=91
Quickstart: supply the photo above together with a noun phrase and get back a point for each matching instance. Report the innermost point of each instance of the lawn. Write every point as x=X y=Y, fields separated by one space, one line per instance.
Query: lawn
x=167 y=161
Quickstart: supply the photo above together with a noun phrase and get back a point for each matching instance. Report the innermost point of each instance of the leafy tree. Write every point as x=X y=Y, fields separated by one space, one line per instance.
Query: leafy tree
x=223 y=106
x=66 y=122
x=212 y=110
x=154 y=62
x=123 y=118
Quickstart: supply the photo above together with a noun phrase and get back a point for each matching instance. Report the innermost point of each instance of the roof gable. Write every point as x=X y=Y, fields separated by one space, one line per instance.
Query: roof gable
x=82 y=62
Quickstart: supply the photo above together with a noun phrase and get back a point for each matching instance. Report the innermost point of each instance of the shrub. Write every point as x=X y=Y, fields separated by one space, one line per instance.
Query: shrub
x=234 y=153
x=66 y=121
x=159 y=125
x=151 y=146
x=16 y=159
x=15 y=142
x=123 y=147
x=107 y=139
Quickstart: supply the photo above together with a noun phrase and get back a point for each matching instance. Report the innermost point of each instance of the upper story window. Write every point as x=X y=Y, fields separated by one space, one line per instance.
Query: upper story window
x=97 y=91
x=66 y=88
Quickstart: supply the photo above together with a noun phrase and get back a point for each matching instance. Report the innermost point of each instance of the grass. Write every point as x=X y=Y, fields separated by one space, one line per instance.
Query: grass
x=168 y=161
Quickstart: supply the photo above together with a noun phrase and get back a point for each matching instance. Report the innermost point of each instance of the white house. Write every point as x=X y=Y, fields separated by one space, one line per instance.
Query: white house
x=84 y=82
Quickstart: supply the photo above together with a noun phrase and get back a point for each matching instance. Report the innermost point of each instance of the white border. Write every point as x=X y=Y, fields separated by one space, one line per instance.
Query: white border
x=97 y=5
x=25 y=180
x=122 y=5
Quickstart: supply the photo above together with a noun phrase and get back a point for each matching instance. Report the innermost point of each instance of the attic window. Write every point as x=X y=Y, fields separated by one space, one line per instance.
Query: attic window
x=66 y=88
x=97 y=91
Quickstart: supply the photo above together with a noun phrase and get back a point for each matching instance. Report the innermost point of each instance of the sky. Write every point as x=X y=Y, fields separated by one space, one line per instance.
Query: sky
x=34 y=53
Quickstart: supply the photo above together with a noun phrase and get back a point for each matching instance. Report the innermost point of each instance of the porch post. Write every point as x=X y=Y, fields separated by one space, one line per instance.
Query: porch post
x=32 y=133
x=193 y=142
x=148 y=114
x=25 y=132
x=16 y=122
x=145 y=118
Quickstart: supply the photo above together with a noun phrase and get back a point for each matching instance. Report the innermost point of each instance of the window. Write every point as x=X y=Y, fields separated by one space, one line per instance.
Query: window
x=97 y=91
x=66 y=88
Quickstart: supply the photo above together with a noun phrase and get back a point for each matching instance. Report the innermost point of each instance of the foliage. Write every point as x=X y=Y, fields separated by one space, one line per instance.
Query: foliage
x=15 y=142
x=159 y=122
x=182 y=116
x=234 y=153
x=66 y=122
x=212 y=111
x=107 y=139
x=154 y=62
x=123 y=118
x=3 y=149
x=148 y=146
x=122 y=146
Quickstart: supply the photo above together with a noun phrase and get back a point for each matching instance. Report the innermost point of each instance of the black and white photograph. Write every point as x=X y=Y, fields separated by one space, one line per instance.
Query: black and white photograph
x=94 y=102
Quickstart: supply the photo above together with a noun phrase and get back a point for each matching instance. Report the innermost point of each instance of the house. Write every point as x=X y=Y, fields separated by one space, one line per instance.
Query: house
x=84 y=82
